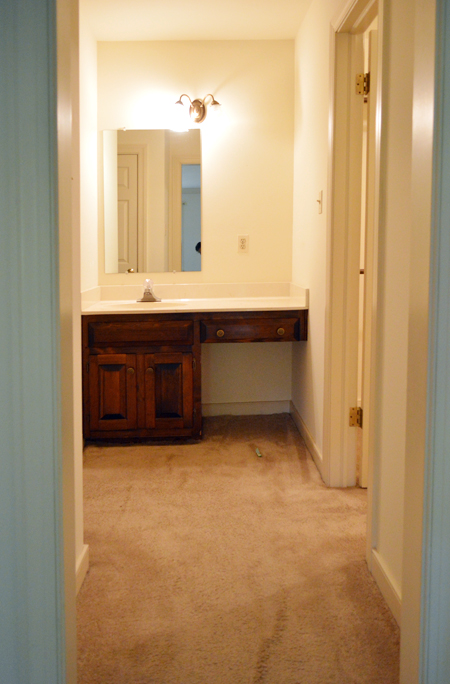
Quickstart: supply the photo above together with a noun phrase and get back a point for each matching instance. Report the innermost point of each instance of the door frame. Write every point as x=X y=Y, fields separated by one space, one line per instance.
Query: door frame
x=343 y=238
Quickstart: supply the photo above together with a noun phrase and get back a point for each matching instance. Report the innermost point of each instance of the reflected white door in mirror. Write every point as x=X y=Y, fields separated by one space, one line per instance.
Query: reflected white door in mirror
x=151 y=201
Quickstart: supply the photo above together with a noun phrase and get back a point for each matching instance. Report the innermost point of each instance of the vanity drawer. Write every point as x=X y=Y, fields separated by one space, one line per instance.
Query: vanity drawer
x=249 y=330
x=138 y=333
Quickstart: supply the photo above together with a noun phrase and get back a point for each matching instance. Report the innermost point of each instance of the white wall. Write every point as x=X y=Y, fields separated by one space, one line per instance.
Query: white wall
x=256 y=378
x=309 y=240
x=69 y=107
x=70 y=319
x=247 y=173
x=247 y=162
x=88 y=156
x=419 y=542
x=393 y=288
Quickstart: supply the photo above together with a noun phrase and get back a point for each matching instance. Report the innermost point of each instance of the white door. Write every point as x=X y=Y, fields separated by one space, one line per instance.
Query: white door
x=127 y=207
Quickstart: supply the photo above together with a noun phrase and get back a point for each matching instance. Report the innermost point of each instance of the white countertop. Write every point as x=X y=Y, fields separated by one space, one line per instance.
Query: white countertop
x=197 y=305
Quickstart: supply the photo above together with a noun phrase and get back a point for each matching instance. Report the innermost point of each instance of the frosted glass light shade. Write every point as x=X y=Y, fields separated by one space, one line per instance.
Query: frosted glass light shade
x=180 y=120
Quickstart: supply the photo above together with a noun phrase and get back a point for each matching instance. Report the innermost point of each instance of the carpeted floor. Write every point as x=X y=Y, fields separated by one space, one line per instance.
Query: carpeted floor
x=212 y=565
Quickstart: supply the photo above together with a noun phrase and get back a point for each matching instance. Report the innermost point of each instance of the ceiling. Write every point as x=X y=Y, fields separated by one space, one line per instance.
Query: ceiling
x=193 y=19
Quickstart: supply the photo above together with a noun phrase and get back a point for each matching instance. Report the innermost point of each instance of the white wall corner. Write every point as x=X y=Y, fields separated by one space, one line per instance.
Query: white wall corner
x=387 y=585
x=299 y=291
x=82 y=566
x=91 y=296
x=308 y=438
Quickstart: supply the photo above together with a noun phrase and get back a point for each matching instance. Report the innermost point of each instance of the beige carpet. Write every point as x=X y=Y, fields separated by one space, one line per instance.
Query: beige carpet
x=212 y=565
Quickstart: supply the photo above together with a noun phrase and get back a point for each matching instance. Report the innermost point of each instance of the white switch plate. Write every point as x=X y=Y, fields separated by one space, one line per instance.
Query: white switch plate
x=242 y=244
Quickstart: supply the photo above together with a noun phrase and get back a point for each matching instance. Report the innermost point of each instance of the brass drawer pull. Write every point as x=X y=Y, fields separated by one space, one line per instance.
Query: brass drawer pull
x=220 y=333
x=281 y=332
x=130 y=371
x=150 y=370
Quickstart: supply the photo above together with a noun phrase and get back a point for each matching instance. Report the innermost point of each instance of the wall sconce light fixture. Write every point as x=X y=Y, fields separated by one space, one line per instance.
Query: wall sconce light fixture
x=197 y=110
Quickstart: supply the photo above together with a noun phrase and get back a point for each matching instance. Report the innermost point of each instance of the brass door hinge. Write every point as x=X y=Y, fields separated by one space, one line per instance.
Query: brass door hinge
x=356 y=417
x=363 y=84
x=194 y=364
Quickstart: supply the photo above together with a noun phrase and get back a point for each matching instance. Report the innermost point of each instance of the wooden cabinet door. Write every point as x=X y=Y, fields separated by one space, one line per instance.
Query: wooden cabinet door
x=112 y=392
x=169 y=392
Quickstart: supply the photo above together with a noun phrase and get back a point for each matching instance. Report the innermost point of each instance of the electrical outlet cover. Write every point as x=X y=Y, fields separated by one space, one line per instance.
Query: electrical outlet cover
x=242 y=243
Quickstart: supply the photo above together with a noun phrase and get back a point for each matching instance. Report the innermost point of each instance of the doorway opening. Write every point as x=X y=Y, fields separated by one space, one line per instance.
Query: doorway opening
x=352 y=247
x=343 y=329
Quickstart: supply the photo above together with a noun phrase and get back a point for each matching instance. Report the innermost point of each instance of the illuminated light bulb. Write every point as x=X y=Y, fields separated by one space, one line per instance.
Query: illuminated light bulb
x=180 y=120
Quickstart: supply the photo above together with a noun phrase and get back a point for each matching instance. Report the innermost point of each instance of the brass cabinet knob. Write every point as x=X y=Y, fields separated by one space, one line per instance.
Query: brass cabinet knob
x=130 y=371
x=220 y=333
x=281 y=332
x=149 y=370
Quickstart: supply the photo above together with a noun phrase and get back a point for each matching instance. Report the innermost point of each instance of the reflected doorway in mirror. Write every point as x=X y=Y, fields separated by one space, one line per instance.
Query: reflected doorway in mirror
x=190 y=217
x=143 y=200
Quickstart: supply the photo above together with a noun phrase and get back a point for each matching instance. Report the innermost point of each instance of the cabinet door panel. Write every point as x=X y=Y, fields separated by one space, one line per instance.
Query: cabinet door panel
x=112 y=381
x=168 y=390
x=168 y=385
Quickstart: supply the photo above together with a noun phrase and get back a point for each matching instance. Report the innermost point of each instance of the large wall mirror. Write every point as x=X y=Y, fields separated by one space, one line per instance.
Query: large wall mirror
x=152 y=201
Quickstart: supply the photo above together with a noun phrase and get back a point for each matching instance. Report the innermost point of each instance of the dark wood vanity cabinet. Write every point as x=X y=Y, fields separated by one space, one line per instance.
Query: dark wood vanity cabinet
x=148 y=391
x=142 y=372
x=141 y=377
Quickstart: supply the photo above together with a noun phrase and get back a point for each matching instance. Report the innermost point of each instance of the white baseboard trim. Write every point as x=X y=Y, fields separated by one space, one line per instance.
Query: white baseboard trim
x=387 y=586
x=308 y=438
x=246 y=408
x=82 y=566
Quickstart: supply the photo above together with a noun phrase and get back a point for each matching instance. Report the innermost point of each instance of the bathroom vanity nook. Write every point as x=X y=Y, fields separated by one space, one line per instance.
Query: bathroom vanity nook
x=142 y=372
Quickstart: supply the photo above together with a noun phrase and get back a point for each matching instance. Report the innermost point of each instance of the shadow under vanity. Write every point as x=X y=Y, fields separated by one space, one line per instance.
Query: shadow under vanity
x=142 y=371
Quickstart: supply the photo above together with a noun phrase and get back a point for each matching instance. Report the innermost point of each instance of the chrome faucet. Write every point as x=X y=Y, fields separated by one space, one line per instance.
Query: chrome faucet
x=149 y=295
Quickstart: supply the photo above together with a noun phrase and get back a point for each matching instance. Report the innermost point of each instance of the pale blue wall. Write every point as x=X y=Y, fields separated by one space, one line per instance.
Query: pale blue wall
x=31 y=612
x=191 y=211
x=435 y=656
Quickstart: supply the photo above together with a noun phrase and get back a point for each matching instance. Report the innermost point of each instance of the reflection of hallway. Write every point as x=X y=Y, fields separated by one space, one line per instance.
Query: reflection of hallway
x=212 y=564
